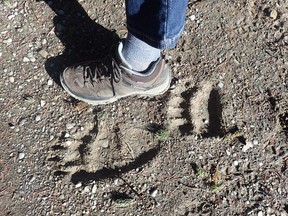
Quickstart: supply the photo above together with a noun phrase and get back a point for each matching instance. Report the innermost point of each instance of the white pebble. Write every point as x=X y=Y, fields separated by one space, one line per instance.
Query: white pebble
x=67 y=135
x=192 y=17
x=86 y=189
x=11 y=79
x=260 y=213
x=25 y=59
x=255 y=142
x=70 y=126
x=10 y=17
x=247 y=146
x=154 y=193
x=220 y=85
x=32 y=59
x=236 y=163
x=42 y=103
x=50 y=82
x=38 y=118
x=21 y=156
x=94 y=189
x=43 y=53
x=44 y=41
x=78 y=185
x=8 y=41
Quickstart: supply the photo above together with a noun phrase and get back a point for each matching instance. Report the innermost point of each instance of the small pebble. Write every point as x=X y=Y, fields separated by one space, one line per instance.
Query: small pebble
x=42 y=103
x=22 y=121
x=67 y=135
x=274 y=14
x=260 y=213
x=236 y=163
x=255 y=142
x=44 y=41
x=78 y=185
x=8 y=41
x=21 y=156
x=220 y=85
x=43 y=53
x=38 y=118
x=86 y=189
x=10 y=17
x=11 y=79
x=192 y=17
x=25 y=59
x=154 y=193
x=69 y=126
x=50 y=82
x=32 y=59
x=247 y=146
x=94 y=189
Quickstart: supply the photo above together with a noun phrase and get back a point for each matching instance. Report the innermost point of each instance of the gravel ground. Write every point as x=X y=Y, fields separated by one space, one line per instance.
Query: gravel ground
x=214 y=144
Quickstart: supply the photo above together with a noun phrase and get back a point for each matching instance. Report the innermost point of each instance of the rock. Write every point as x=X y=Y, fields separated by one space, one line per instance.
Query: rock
x=32 y=59
x=25 y=59
x=192 y=17
x=247 y=146
x=154 y=193
x=260 y=213
x=42 y=103
x=44 y=41
x=21 y=156
x=8 y=41
x=78 y=185
x=236 y=163
x=86 y=189
x=69 y=126
x=274 y=14
x=22 y=121
x=67 y=135
x=278 y=35
x=94 y=189
x=38 y=118
x=220 y=85
x=43 y=54
x=11 y=79
x=50 y=82
x=104 y=143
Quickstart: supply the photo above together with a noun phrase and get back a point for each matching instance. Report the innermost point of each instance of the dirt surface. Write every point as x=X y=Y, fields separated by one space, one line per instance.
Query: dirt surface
x=214 y=144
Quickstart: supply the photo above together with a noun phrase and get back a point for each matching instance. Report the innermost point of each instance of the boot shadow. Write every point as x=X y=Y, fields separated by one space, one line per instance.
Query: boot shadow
x=82 y=37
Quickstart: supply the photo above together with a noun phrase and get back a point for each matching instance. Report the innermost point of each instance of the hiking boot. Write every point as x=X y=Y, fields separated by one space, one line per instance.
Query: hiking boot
x=105 y=81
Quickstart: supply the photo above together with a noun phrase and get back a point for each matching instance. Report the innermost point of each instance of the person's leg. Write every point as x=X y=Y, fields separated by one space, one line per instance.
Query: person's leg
x=153 y=25
x=138 y=68
x=159 y=23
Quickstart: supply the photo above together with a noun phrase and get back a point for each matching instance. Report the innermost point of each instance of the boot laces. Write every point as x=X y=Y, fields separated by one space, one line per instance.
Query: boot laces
x=101 y=73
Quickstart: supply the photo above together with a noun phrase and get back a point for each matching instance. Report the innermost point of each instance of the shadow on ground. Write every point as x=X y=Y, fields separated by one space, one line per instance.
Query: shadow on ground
x=82 y=37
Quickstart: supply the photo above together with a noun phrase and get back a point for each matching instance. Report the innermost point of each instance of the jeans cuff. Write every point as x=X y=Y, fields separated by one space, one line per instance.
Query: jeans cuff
x=166 y=43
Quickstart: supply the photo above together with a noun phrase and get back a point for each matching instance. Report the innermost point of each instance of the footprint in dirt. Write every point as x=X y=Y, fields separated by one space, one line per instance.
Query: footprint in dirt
x=102 y=150
x=195 y=110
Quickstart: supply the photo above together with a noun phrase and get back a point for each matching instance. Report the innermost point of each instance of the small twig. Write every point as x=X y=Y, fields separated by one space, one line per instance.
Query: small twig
x=130 y=150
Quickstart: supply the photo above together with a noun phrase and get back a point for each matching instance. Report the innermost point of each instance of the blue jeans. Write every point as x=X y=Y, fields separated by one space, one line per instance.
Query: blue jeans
x=157 y=22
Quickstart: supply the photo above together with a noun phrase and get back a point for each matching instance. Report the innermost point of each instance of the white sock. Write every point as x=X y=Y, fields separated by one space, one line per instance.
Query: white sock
x=138 y=54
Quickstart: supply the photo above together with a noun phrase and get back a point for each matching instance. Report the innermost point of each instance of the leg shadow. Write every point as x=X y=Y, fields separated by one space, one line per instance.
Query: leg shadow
x=82 y=37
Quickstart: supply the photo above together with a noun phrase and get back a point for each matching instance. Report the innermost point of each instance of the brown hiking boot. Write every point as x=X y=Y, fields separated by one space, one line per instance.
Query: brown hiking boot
x=103 y=82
